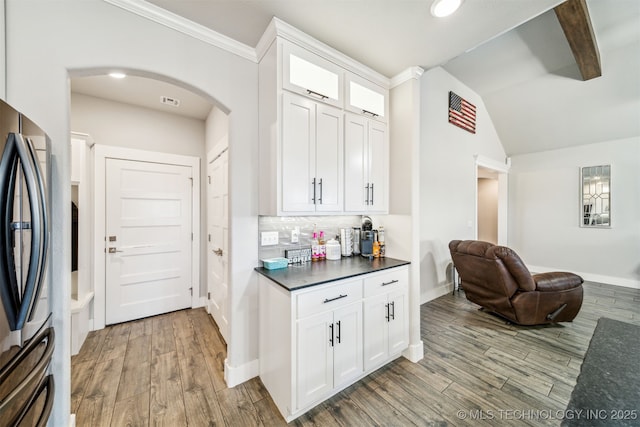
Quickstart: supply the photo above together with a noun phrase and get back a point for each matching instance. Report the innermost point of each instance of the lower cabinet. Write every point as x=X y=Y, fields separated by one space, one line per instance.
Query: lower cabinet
x=316 y=341
x=329 y=352
x=386 y=328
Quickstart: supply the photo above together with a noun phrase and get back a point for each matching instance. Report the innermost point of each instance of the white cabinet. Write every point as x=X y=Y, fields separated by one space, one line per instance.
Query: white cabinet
x=312 y=150
x=308 y=74
x=329 y=352
x=366 y=98
x=302 y=107
x=82 y=291
x=386 y=329
x=366 y=148
x=316 y=341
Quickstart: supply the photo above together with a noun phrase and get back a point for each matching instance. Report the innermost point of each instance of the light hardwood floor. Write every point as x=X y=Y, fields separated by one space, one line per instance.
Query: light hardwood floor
x=477 y=370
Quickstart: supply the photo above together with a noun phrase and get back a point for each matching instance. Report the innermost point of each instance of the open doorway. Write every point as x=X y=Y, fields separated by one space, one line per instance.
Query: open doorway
x=491 y=201
x=487 y=205
x=173 y=125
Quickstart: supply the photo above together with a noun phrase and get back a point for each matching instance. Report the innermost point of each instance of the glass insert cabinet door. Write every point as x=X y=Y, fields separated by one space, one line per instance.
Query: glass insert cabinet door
x=595 y=192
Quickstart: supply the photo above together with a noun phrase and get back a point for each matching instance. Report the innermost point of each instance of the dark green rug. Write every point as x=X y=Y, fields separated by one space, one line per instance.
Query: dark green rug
x=607 y=392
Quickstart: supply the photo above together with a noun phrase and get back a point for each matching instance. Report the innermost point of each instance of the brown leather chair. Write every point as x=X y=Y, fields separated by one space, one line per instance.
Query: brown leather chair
x=496 y=278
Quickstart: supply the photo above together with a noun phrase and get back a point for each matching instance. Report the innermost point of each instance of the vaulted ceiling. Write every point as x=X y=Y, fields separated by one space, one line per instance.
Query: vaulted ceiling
x=512 y=53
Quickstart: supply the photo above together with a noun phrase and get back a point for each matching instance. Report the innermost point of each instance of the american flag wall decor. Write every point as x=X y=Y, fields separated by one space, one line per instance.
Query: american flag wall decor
x=462 y=113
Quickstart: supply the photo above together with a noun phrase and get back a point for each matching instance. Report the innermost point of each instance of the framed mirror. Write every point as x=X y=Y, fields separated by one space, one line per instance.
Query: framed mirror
x=595 y=199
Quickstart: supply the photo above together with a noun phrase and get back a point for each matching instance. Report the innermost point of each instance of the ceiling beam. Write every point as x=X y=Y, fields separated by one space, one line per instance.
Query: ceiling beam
x=573 y=16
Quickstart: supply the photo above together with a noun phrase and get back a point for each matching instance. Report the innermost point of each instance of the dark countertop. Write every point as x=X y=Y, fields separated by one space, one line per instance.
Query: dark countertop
x=298 y=276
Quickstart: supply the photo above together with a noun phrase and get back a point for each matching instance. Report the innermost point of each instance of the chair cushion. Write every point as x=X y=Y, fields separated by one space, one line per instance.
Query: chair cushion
x=556 y=281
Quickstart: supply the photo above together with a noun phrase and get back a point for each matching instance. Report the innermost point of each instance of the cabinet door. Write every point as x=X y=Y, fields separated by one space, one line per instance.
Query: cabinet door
x=298 y=154
x=398 y=322
x=378 y=167
x=78 y=147
x=329 y=152
x=356 y=194
x=347 y=349
x=376 y=331
x=308 y=74
x=315 y=358
x=365 y=97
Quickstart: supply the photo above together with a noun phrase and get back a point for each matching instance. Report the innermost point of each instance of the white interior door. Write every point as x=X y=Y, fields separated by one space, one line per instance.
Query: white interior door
x=148 y=239
x=218 y=246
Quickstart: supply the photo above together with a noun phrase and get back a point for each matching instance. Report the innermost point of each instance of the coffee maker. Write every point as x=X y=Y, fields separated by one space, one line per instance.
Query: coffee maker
x=367 y=237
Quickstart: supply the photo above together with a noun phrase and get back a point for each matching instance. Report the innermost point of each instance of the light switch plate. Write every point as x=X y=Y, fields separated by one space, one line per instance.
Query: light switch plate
x=295 y=235
x=269 y=238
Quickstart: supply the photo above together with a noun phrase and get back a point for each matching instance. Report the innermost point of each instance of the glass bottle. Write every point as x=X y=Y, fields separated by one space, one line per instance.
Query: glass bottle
x=322 y=247
x=376 y=245
x=315 y=247
x=381 y=241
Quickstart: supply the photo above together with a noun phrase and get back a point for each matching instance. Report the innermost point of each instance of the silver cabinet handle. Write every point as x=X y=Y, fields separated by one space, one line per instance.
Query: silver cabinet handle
x=313 y=184
x=331 y=338
x=320 y=199
x=318 y=94
x=333 y=299
x=389 y=283
x=366 y=200
x=371 y=194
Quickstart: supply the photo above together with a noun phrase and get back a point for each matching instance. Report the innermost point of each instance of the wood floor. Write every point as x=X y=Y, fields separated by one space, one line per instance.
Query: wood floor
x=477 y=370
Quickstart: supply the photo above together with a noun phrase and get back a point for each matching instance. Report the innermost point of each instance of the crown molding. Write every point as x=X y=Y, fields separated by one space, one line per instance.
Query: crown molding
x=406 y=75
x=279 y=28
x=185 y=26
x=266 y=39
x=276 y=28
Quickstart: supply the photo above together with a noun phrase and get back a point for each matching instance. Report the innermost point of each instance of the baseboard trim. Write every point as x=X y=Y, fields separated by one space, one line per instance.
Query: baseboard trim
x=239 y=374
x=434 y=293
x=415 y=352
x=590 y=277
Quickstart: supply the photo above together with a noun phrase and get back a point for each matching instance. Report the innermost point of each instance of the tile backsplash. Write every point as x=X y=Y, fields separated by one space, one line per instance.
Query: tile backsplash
x=331 y=226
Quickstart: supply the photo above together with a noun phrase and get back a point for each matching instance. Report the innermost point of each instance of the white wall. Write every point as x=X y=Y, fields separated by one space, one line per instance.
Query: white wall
x=2 y=52
x=544 y=196
x=53 y=39
x=126 y=125
x=217 y=130
x=448 y=176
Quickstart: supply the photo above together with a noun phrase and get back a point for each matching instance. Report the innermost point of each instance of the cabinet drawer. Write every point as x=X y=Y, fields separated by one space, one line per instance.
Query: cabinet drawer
x=328 y=298
x=388 y=281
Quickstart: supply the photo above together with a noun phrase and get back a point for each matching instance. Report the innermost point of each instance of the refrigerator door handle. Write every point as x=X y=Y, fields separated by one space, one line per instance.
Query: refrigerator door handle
x=44 y=245
x=18 y=309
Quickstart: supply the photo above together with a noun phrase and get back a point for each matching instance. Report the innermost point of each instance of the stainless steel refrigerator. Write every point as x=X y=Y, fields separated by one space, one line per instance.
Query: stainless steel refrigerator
x=26 y=335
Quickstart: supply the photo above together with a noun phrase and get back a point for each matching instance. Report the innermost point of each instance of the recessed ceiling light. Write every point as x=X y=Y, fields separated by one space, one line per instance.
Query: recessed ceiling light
x=116 y=75
x=442 y=8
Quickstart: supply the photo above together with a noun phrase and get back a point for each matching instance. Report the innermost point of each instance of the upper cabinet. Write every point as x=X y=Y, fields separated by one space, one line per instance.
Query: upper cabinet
x=310 y=75
x=311 y=156
x=307 y=91
x=366 y=98
x=366 y=178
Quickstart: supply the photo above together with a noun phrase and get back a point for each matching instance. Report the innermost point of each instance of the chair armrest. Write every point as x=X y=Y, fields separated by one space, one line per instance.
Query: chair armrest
x=556 y=281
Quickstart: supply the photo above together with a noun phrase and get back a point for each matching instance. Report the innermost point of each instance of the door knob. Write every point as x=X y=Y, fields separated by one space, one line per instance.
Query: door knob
x=113 y=250
x=218 y=251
